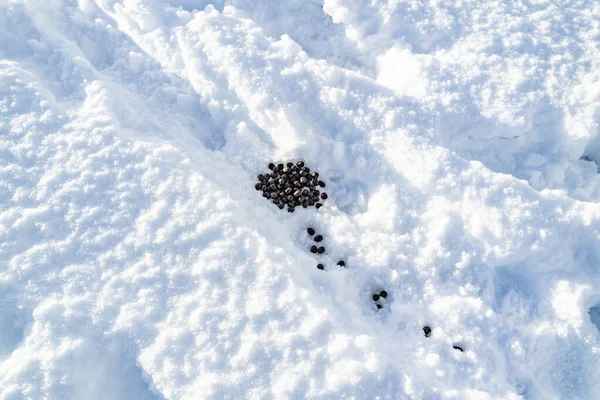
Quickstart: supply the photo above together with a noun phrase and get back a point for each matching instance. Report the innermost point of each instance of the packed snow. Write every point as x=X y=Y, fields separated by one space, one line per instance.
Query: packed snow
x=460 y=145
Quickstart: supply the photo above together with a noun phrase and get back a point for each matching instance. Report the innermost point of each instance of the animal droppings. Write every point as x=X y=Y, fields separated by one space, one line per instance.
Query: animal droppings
x=293 y=184
x=427 y=331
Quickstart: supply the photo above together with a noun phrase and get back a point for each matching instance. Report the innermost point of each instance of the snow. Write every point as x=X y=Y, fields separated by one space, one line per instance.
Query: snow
x=459 y=143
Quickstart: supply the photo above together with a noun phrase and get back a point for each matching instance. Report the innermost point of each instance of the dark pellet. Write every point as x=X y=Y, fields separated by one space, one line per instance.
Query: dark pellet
x=297 y=184
x=315 y=175
x=300 y=164
x=375 y=297
x=294 y=168
x=304 y=174
x=280 y=167
x=318 y=238
x=324 y=196
x=273 y=195
x=305 y=192
x=341 y=263
x=311 y=203
x=303 y=180
x=289 y=165
x=297 y=193
x=457 y=348
x=271 y=166
x=288 y=191
x=427 y=331
x=310 y=231
x=258 y=186
x=261 y=177
x=379 y=306
x=321 y=250
x=301 y=199
x=321 y=183
x=290 y=198
x=313 y=249
x=318 y=205
x=281 y=205
x=305 y=204
x=383 y=294
x=290 y=209
x=320 y=266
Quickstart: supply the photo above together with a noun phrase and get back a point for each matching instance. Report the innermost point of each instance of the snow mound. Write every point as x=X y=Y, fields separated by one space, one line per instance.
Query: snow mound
x=138 y=261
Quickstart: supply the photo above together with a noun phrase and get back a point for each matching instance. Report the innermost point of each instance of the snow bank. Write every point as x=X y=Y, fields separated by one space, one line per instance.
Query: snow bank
x=138 y=261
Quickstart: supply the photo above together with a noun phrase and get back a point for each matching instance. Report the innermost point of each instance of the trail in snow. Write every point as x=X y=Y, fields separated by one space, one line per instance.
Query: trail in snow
x=138 y=261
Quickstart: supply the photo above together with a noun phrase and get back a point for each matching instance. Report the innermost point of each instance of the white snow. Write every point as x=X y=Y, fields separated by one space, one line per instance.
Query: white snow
x=458 y=140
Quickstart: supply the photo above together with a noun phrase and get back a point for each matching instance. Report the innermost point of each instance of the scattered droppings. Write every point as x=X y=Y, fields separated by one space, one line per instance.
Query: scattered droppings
x=341 y=263
x=318 y=205
x=379 y=306
x=310 y=231
x=318 y=238
x=321 y=250
x=320 y=266
x=427 y=331
x=375 y=297
x=313 y=249
x=383 y=294
x=456 y=347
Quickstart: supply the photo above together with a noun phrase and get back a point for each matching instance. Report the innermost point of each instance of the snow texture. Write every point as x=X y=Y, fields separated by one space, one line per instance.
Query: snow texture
x=459 y=141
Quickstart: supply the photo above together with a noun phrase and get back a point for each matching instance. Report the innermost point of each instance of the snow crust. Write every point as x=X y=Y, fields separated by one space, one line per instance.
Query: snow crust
x=459 y=143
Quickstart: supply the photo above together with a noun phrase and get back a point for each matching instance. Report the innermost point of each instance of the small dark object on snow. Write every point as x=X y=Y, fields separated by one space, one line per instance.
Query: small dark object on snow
x=320 y=266
x=456 y=347
x=310 y=231
x=427 y=331
x=289 y=165
x=324 y=196
x=290 y=209
x=318 y=205
x=300 y=164
x=341 y=263
x=313 y=249
x=383 y=294
x=375 y=297
x=318 y=238
x=379 y=306
x=271 y=166
x=321 y=183
x=321 y=250
x=281 y=205
x=258 y=186
x=280 y=167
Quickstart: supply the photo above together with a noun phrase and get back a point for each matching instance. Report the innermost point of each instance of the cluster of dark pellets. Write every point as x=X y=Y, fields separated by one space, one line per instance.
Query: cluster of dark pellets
x=292 y=185
x=320 y=249
x=427 y=331
x=381 y=295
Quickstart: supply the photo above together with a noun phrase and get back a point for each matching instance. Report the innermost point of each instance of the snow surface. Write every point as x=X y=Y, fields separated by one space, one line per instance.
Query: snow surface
x=459 y=141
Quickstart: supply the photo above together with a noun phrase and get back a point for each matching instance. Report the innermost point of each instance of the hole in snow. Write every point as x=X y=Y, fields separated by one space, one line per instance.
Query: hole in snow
x=595 y=315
